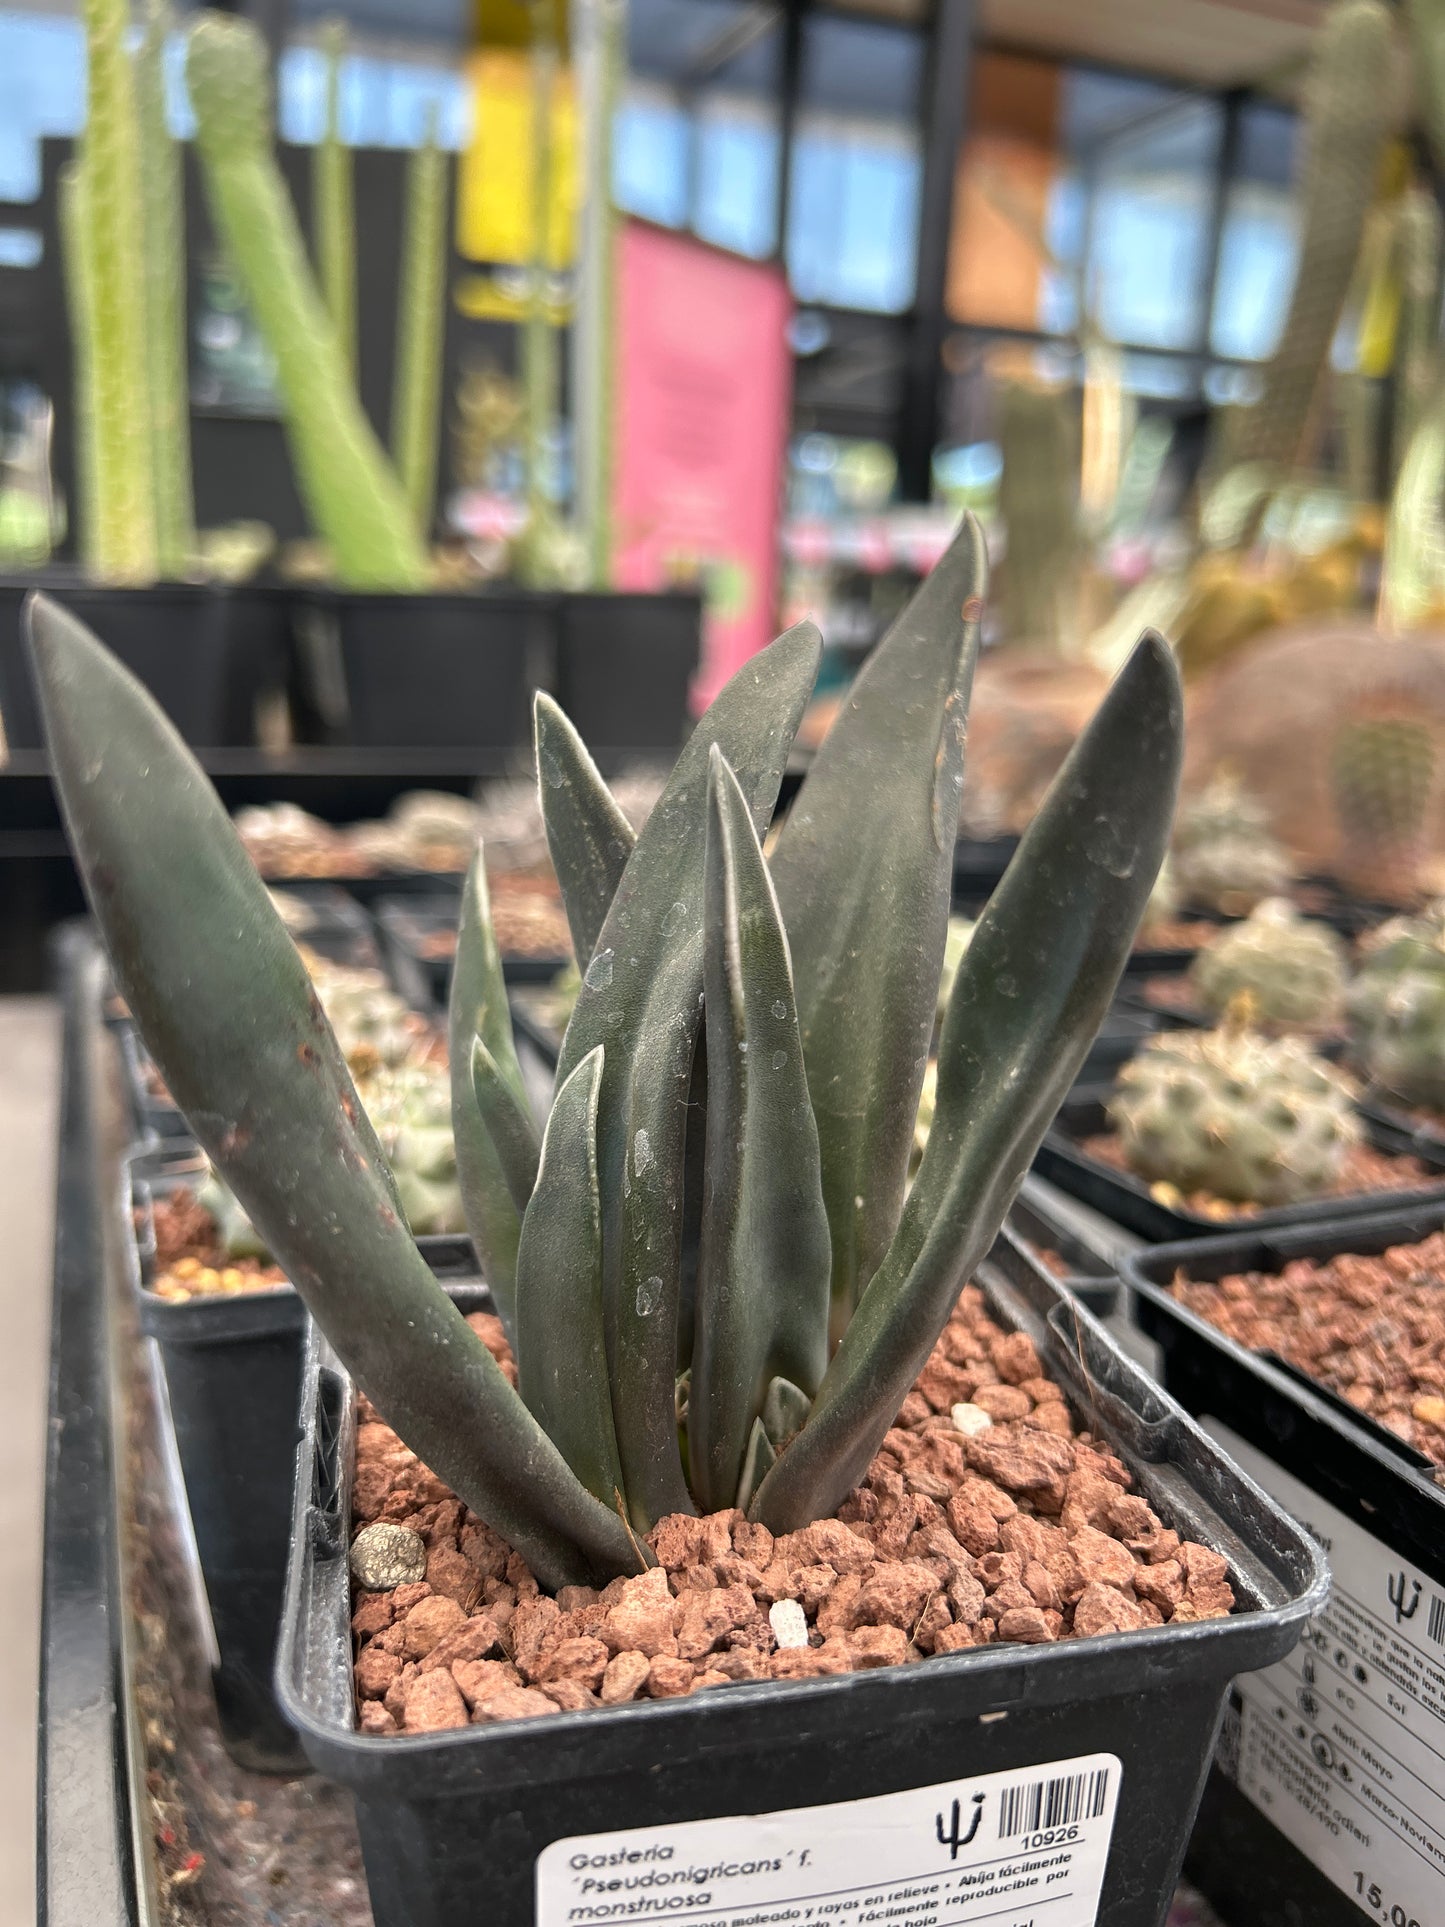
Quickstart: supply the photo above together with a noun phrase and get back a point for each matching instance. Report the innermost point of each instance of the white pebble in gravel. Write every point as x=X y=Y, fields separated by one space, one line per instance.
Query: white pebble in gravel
x=970 y=1420
x=790 y=1628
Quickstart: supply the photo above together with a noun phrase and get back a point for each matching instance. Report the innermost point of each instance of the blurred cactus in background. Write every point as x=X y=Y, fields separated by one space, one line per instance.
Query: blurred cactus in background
x=1038 y=500
x=164 y=258
x=421 y=327
x=351 y=491
x=333 y=203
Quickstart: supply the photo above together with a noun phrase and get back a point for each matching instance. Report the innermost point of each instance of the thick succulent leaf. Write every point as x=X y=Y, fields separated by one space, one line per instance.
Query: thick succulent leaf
x=478 y=1008
x=226 y=1007
x=1030 y=994
x=589 y=837
x=641 y=998
x=864 y=874
x=762 y=1281
x=784 y=1409
x=758 y=1461
x=508 y=1123
x=561 y=1356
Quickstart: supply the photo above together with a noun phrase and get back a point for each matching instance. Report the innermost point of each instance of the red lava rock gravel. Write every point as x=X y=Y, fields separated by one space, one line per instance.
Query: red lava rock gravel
x=1024 y=1531
x=1371 y=1329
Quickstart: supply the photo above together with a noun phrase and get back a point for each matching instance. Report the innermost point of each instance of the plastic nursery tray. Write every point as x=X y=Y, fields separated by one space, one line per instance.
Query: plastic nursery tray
x=446 y=1817
x=424 y=980
x=1129 y=1202
x=979 y=863
x=339 y=930
x=1090 y=1276
x=232 y=1368
x=1316 y=1803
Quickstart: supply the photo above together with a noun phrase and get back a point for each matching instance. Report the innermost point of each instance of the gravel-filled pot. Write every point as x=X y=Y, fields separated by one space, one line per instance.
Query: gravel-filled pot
x=232 y=1364
x=206 y=652
x=1323 y=1805
x=1114 y=1732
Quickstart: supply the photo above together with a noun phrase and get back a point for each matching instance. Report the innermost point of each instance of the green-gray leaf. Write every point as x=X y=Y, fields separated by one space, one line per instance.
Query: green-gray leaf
x=1031 y=992
x=762 y=1283
x=226 y=1008
x=478 y=1008
x=561 y=1356
x=508 y=1123
x=641 y=998
x=589 y=837
x=864 y=872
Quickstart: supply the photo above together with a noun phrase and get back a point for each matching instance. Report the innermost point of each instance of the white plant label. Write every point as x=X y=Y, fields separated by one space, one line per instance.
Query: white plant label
x=1026 y=1848
x=1342 y=1745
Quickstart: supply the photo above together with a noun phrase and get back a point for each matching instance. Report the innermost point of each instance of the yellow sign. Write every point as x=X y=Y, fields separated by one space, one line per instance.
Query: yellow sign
x=494 y=202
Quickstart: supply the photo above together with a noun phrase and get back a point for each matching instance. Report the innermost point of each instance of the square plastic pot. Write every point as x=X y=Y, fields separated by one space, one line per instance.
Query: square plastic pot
x=1090 y=1276
x=1127 y=1200
x=1339 y=1458
x=445 y=671
x=625 y=664
x=205 y=652
x=232 y=1367
x=452 y=1823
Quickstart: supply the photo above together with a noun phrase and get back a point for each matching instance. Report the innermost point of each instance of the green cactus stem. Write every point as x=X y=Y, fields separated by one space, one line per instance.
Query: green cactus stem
x=79 y=301
x=164 y=260
x=351 y=490
x=1417 y=353
x=1039 y=506
x=421 y=328
x=333 y=204
x=1397 y=1008
x=1349 y=107
x=112 y=303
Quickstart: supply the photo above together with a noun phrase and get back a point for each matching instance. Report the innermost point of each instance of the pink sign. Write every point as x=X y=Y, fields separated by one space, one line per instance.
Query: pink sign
x=704 y=399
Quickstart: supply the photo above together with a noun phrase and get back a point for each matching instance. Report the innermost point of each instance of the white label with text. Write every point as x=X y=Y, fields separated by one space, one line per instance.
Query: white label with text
x=1342 y=1745
x=1027 y=1848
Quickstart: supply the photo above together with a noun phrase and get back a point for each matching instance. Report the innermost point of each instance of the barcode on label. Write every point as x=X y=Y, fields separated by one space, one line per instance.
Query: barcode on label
x=1033 y=1805
x=1437 y=1619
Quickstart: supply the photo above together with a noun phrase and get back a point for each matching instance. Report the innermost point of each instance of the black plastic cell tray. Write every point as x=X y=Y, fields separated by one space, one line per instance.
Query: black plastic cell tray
x=426 y=981
x=1091 y=1276
x=1242 y=1863
x=1127 y=1200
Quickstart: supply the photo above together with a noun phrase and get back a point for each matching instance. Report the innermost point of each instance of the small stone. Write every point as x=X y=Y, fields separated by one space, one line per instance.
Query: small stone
x=624 y=1678
x=789 y=1624
x=428 y=1623
x=970 y=1419
x=384 y=1556
x=1429 y=1411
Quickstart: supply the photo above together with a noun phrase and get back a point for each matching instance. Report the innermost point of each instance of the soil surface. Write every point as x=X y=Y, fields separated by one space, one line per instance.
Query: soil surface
x=1371 y=1329
x=190 y=1262
x=1176 y=933
x=1364 y=1169
x=1172 y=991
x=987 y=1516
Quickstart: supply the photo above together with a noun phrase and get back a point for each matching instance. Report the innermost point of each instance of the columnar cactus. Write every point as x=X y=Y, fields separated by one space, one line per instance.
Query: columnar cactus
x=1038 y=501
x=421 y=328
x=1349 y=109
x=351 y=490
x=812 y=980
x=333 y=203
x=1293 y=970
x=1397 y=1008
x=163 y=257
x=1385 y=766
x=1248 y=1119
x=106 y=217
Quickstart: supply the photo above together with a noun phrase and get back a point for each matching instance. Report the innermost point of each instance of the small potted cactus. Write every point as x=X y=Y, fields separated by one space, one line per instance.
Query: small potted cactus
x=1397 y=1013
x=1225 y=858
x=663 y=1411
x=1292 y=969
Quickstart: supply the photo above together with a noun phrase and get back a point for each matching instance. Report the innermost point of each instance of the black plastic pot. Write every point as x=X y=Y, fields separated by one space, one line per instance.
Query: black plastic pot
x=205 y=652
x=625 y=663
x=453 y=1823
x=1381 y=1509
x=1129 y=1202
x=421 y=671
x=232 y=1369
x=979 y=864
x=1090 y=1276
x=425 y=981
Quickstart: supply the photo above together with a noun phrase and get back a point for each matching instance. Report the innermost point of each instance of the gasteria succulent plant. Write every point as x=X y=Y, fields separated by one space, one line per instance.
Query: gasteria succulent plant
x=805 y=987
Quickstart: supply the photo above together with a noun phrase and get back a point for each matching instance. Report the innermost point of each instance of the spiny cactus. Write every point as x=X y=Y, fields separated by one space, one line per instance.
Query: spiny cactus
x=106 y=217
x=1349 y=108
x=351 y=491
x=421 y=327
x=1292 y=970
x=333 y=203
x=1385 y=765
x=1248 y=1119
x=164 y=261
x=410 y=1106
x=1397 y=1008
x=1417 y=351
x=1038 y=502
x=1224 y=855
x=813 y=981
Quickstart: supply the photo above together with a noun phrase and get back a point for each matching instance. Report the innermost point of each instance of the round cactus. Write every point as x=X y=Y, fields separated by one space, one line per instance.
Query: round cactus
x=1246 y=1118
x=1225 y=857
x=1397 y=1007
x=411 y=1108
x=1292 y=969
x=375 y=1028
